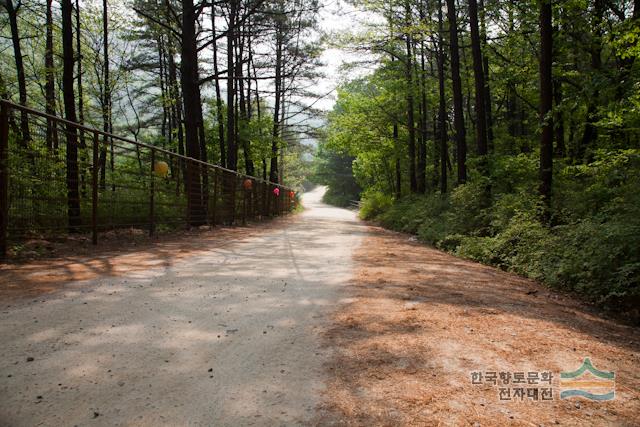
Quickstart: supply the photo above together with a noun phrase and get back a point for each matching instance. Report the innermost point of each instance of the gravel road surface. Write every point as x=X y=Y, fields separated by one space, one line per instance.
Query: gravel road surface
x=227 y=337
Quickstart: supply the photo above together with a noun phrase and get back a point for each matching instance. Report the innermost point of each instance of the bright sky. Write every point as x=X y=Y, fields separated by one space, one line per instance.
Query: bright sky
x=336 y=16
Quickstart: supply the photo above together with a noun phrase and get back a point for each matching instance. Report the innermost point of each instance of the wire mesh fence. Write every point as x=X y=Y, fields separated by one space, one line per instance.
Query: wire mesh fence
x=67 y=178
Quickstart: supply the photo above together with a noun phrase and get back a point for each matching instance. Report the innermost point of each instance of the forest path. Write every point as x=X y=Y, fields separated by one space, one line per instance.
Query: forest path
x=227 y=336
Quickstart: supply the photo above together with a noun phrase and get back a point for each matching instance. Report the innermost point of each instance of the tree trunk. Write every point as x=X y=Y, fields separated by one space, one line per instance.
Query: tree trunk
x=273 y=173
x=79 y=59
x=73 y=196
x=487 y=86
x=410 y=107
x=248 y=161
x=398 y=170
x=442 y=114
x=163 y=91
x=478 y=73
x=22 y=84
x=422 y=148
x=81 y=142
x=50 y=86
x=232 y=146
x=458 y=112
x=220 y=118
x=192 y=112
x=546 y=104
x=176 y=103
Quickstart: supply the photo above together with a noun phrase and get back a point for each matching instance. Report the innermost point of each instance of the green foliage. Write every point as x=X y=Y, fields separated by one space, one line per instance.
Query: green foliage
x=335 y=171
x=373 y=204
x=591 y=250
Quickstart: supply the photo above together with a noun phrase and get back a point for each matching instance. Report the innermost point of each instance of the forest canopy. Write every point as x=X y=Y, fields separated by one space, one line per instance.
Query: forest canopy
x=165 y=73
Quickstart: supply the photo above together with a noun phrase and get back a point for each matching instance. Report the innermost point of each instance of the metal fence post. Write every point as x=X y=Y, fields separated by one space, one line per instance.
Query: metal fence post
x=215 y=198
x=245 y=192
x=151 y=192
x=4 y=179
x=94 y=190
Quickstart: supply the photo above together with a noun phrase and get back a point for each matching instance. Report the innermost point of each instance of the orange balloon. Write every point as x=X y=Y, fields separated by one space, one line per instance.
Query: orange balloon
x=247 y=184
x=161 y=168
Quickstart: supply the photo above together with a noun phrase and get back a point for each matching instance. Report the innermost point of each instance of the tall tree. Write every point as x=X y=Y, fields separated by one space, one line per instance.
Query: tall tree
x=422 y=147
x=442 y=115
x=278 y=83
x=79 y=64
x=73 y=196
x=487 y=85
x=546 y=103
x=232 y=143
x=413 y=183
x=190 y=83
x=12 y=11
x=50 y=86
x=458 y=112
x=478 y=73
x=216 y=72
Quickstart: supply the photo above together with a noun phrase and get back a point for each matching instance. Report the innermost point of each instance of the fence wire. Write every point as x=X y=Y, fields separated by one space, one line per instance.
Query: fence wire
x=68 y=178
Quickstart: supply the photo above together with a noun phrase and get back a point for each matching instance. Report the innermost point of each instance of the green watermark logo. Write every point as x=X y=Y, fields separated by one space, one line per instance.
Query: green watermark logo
x=588 y=382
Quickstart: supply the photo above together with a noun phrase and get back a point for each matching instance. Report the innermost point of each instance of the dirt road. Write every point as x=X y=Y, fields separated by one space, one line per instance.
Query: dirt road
x=228 y=336
x=317 y=319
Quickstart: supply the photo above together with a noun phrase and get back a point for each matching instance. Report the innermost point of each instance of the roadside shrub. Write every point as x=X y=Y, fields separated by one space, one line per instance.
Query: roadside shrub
x=591 y=248
x=467 y=211
x=338 y=198
x=406 y=215
x=374 y=203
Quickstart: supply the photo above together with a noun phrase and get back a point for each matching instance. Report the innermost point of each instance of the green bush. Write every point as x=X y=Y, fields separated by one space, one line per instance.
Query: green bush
x=591 y=247
x=373 y=203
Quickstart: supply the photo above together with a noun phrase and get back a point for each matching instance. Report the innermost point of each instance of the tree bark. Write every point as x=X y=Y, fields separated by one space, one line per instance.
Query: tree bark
x=219 y=116
x=73 y=196
x=232 y=146
x=487 y=85
x=458 y=112
x=413 y=184
x=192 y=113
x=546 y=105
x=442 y=115
x=50 y=86
x=273 y=172
x=79 y=59
x=478 y=73
x=246 y=143
x=398 y=170
x=25 y=136
x=422 y=147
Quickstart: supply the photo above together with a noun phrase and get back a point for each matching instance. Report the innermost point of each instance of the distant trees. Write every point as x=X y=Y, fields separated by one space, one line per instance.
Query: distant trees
x=474 y=63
